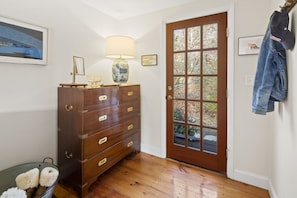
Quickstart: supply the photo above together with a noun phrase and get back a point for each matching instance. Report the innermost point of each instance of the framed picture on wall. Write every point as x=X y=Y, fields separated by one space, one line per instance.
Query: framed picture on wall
x=22 y=42
x=249 y=45
x=149 y=60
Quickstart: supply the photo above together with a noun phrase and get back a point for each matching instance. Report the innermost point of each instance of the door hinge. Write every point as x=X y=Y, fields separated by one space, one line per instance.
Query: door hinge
x=227 y=32
x=227 y=93
x=227 y=151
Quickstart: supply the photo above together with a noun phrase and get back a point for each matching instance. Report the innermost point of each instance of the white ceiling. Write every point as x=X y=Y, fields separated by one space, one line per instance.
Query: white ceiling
x=123 y=9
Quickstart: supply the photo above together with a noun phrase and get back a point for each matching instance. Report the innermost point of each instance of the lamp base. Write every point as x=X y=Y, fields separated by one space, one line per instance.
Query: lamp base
x=120 y=70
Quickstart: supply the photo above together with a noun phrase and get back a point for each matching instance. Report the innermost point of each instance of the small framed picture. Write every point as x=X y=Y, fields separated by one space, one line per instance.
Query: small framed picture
x=149 y=60
x=78 y=65
x=249 y=45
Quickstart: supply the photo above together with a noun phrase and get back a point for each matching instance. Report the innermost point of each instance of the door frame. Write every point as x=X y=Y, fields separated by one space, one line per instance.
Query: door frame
x=230 y=78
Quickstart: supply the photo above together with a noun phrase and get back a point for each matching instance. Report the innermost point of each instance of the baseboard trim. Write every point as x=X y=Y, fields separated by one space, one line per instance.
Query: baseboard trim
x=151 y=150
x=251 y=178
x=271 y=190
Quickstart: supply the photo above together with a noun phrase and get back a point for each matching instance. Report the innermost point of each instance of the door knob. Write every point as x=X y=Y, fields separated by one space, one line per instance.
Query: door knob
x=169 y=97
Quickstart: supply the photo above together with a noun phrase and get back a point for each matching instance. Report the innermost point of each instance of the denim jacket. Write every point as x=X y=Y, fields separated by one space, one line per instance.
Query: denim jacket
x=271 y=76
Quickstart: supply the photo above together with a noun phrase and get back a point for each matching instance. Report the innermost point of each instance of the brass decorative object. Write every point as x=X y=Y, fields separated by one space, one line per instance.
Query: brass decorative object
x=289 y=4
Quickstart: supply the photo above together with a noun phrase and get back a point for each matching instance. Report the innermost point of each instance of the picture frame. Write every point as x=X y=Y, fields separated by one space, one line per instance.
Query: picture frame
x=78 y=65
x=22 y=43
x=249 y=45
x=149 y=60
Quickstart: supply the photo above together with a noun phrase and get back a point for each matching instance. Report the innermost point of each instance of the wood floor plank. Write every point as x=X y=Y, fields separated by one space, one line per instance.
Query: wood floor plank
x=147 y=176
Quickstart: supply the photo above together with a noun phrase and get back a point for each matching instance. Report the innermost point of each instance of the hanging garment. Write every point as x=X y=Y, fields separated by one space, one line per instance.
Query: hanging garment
x=271 y=83
x=279 y=29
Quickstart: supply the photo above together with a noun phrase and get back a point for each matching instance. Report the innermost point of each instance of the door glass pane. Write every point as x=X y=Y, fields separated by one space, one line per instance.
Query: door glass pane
x=194 y=34
x=210 y=87
x=179 y=64
x=210 y=62
x=194 y=63
x=193 y=88
x=179 y=111
x=179 y=87
x=194 y=137
x=179 y=40
x=194 y=112
x=210 y=36
x=209 y=142
x=209 y=114
x=179 y=134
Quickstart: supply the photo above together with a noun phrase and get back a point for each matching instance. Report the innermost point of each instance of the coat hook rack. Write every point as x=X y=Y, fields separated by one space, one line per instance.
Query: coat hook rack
x=289 y=4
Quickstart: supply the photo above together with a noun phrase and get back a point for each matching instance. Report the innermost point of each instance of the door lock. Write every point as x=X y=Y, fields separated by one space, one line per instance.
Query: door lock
x=169 y=97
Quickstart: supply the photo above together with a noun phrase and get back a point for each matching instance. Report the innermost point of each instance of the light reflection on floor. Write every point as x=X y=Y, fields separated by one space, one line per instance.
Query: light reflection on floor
x=184 y=189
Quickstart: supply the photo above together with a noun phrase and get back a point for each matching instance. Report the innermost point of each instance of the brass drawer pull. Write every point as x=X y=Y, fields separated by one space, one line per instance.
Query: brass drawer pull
x=68 y=107
x=102 y=140
x=131 y=126
x=102 y=98
x=129 y=109
x=130 y=144
x=102 y=162
x=68 y=155
x=130 y=93
x=102 y=118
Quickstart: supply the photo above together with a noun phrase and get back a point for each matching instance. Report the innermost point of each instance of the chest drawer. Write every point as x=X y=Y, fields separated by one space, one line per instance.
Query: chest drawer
x=101 y=162
x=129 y=93
x=129 y=109
x=101 y=119
x=100 y=98
x=104 y=118
x=100 y=141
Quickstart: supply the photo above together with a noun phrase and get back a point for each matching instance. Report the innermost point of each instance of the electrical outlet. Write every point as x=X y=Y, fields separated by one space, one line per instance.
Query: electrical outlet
x=249 y=80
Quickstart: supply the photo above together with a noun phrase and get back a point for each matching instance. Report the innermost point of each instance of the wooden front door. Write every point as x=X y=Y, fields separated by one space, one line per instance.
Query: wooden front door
x=196 y=58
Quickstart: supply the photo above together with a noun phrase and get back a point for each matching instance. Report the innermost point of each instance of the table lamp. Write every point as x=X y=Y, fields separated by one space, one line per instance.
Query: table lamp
x=120 y=48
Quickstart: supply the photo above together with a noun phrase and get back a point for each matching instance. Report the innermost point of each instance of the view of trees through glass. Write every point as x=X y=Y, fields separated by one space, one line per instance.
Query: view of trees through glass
x=195 y=77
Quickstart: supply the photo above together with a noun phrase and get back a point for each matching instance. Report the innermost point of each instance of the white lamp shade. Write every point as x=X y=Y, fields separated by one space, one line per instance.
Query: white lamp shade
x=120 y=47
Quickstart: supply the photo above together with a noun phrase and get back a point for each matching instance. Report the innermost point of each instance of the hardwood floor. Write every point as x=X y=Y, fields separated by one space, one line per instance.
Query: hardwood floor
x=143 y=175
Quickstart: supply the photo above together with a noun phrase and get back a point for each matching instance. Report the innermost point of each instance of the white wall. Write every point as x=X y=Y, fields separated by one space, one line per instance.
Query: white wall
x=263 y=148
x=251 y=131
x=283 y=162
x=28 y=102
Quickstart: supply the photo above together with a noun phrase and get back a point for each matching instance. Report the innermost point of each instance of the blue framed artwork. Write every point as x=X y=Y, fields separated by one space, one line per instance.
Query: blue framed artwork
x=22 y=42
